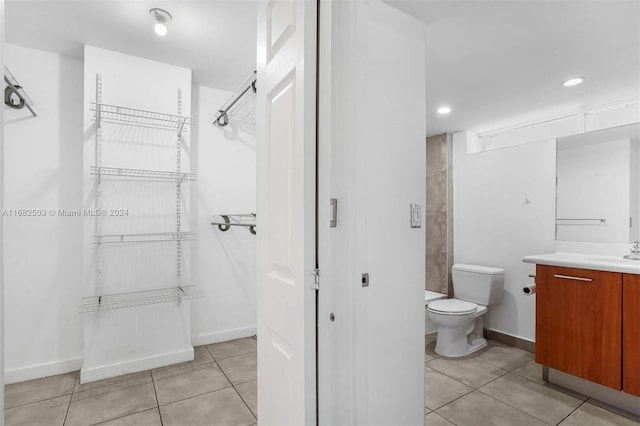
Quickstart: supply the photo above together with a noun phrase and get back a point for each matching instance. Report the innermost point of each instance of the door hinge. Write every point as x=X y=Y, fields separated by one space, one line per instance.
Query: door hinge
x=316 y=279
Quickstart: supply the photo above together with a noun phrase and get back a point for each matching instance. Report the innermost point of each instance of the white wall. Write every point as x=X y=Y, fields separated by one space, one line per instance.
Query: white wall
x=43 y=255
x=494 y=225
x=225 y=261
x=372 y=159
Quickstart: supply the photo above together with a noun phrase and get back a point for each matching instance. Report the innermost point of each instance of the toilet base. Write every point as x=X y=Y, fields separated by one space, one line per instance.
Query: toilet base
x=456 y=342
x=477 y=345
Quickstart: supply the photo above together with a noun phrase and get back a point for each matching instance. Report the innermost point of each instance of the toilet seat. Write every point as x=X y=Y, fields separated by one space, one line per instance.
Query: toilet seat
x=452 y=307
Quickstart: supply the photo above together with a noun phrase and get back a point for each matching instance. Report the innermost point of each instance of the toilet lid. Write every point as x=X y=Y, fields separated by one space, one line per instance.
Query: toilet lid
x=452 y=306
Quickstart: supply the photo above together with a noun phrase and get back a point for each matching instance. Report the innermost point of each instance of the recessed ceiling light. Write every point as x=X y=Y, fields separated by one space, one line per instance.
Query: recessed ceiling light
x=162 y=17
x=444 y=110
x=573 y=81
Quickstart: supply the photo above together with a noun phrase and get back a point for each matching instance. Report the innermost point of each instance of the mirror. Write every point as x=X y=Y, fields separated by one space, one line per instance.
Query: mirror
x=598 y=186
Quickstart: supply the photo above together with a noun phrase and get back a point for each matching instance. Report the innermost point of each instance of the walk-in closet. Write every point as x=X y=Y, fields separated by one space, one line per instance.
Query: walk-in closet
x=130 y=212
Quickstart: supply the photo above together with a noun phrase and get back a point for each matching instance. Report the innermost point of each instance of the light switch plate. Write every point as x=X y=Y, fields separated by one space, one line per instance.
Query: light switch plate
x=416 y=216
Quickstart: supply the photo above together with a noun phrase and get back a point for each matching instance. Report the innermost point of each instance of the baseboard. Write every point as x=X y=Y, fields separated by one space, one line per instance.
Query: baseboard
x=508 y=339
x=222 y=336
x=42 y=370
x=118 y=369
x=38 y=371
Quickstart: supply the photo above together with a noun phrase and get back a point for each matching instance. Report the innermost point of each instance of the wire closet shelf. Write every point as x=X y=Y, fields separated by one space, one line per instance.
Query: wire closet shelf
x=103 y=299
x=138 y=117
x=150 y=237
x=140 y=298
x=141 y=173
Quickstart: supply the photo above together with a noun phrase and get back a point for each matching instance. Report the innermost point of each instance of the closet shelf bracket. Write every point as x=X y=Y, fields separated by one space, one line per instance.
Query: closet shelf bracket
x=239 y=102
x=238 y=219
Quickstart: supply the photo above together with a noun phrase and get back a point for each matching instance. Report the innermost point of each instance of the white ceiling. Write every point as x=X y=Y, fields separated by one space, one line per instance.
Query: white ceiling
x=500 y=62
x=215 y=38
x=493 y=62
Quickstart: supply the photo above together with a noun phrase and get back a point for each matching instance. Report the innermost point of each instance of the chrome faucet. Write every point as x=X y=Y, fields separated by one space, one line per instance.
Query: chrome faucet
x=635 y=251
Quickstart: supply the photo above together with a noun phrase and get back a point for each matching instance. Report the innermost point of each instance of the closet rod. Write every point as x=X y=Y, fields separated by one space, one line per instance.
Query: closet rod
x=13 y=87
x=222 y=117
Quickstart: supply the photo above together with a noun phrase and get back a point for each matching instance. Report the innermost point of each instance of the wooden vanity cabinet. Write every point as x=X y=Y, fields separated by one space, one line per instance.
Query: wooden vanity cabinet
x=631 y=334
x=579 y=323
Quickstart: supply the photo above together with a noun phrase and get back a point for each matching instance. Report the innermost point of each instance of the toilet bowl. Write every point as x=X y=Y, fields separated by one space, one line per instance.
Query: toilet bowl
x=459 y=327
x=459 y=320
x=429 y=297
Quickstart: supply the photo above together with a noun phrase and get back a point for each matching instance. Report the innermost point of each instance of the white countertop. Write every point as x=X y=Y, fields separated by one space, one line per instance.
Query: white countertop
x=586 y=261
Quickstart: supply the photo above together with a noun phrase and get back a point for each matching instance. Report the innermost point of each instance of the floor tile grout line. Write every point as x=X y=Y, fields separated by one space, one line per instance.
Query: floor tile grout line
x=126 y=415
x=513 y=406
x=202 y=365
x=41 y=400
x=467 y=384
x=206 y=347
x=231 y=385
x=155 y=393
x=455 y=399
x=444 y=417
x=76 y=380
x=195 y=396
x=116 y=383
x=613 y=409
x=573 y=411
x=255 y=415
x=35 y=402
x=238 y=355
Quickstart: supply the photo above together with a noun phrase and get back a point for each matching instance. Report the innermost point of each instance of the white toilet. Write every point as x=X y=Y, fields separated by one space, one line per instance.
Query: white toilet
x=459 y=320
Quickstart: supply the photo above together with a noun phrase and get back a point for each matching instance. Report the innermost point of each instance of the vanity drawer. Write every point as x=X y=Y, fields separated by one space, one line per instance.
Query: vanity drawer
x=579 y=323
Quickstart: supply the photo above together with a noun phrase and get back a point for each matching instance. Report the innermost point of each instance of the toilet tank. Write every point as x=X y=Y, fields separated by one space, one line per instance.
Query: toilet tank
x=483 y=285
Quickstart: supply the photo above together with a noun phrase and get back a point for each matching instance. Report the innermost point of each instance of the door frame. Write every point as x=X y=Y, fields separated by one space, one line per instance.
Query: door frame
x=2 y=26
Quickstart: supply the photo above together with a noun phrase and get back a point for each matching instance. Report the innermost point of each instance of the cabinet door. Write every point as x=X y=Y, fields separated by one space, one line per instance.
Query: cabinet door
x=631 y=334
x=579 y=323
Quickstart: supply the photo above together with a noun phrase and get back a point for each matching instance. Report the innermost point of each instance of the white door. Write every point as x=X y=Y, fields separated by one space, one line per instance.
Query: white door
x=1 y=232
x=286 y=156
x=372 y=160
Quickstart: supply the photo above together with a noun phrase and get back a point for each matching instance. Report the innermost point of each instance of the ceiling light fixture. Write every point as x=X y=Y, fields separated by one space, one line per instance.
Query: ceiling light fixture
x=444 y=110
x=573 y=81
x=162 y=17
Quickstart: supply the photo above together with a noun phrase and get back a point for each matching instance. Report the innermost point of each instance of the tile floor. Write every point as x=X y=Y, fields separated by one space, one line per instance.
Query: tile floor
x=217 y=388
x=502 y=385
x=498 y=385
